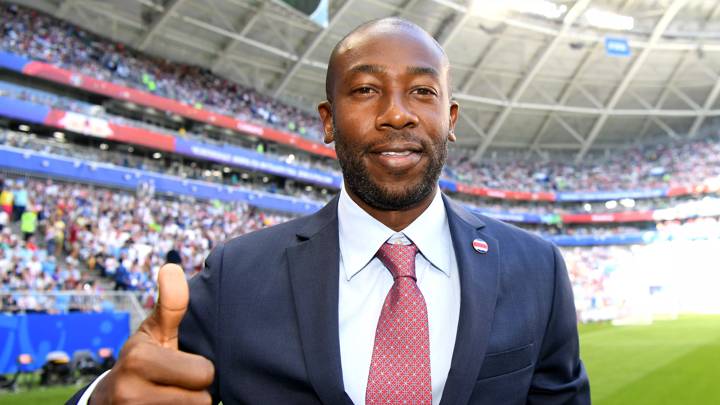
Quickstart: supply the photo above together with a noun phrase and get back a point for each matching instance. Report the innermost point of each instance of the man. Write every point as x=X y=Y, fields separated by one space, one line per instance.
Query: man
x=20 y=201
x=7 y=198
x=28 y=223
x=392 y=293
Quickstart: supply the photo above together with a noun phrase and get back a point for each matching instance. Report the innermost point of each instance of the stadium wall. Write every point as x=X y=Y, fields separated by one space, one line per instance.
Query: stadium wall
x=39 y=334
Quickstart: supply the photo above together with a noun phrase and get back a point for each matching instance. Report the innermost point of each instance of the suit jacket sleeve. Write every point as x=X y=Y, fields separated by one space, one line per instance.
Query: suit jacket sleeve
x=76 y=397
x=560 y=376
x=199 y=326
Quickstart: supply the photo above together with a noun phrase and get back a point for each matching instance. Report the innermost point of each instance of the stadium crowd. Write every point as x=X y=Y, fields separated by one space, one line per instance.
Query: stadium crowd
x=643 y=167
x=68 y=104
x=42 y=37
x=590 y=269
x=697 y=228
x=683 y=205
x=655 y=166
x=674 y=207
x=168 y=165
x=72 y=232
x=57 y=236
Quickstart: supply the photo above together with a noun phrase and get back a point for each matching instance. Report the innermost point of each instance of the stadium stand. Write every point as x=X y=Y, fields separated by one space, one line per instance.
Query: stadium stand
x=37 y=36
x=114 y=160
x=44 y=38
x=644 y=167
x=114 y=234
x=92 y=236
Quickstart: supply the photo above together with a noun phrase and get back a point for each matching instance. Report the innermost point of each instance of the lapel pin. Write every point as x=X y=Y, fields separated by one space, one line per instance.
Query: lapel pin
x=480 y=246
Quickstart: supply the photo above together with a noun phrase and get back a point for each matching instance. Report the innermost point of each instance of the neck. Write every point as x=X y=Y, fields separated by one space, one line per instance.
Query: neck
x=397 y=220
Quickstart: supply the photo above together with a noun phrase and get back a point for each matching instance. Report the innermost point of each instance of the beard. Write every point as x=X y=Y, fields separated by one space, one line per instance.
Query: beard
x=359 y=181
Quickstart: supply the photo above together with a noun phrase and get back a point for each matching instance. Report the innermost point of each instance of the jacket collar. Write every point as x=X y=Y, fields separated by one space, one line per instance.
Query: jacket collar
x=314 y=274
x=479 y=278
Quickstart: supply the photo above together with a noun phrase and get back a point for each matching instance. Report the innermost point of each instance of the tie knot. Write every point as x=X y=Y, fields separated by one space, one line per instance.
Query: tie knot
x=399 y=259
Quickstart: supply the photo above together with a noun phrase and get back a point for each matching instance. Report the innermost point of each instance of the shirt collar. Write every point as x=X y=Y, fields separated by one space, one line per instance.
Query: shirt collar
x=361 y=235
x=431 y=234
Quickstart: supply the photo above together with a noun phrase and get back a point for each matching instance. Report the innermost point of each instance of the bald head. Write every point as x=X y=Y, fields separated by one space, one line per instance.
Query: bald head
x=379 y=30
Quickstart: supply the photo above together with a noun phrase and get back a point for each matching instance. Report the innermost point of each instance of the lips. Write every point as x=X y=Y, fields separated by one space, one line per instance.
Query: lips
x=397 y=157
x=397 y=154
x=397 y=148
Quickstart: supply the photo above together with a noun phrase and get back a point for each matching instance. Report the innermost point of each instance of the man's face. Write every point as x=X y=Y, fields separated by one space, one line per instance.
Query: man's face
x=391 y=116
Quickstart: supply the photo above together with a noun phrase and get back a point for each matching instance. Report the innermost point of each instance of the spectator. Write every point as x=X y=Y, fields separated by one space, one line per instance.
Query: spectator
x=6 y=199
x=4 y=219
x=28 y=223
x=20 y=201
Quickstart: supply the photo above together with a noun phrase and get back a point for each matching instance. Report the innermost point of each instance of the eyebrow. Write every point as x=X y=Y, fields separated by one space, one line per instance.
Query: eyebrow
x=423 y=71
x=412 y=70
x=365 y=68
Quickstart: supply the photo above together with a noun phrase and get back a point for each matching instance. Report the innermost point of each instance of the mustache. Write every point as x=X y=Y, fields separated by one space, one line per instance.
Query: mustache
x=401 y=136
x=393 y=137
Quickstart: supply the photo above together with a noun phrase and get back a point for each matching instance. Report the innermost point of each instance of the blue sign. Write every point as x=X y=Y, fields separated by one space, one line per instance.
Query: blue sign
x=13 y=62
x=23 y=110
x=115 y=176
x=617 y=47
x=610 y=195
x=248 y=159
x=39 y=334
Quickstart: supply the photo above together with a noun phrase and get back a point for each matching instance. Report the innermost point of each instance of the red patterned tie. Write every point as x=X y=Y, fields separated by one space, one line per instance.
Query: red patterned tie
x=400 y=366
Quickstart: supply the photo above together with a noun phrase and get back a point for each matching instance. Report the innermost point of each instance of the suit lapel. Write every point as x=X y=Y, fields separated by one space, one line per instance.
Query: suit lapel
x=314 y=267
x=314 y=273
x=478 y=296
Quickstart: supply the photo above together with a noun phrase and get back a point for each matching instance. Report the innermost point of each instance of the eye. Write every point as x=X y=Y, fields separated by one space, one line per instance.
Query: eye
x=424 y=91
x=363 y=90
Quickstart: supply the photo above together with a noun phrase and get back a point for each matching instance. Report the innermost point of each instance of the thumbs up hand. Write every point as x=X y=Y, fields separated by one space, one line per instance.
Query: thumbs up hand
x=173 y=298
x=150 y=368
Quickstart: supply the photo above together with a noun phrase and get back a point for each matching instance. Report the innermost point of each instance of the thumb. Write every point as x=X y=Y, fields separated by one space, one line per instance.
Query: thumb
x=173 y=298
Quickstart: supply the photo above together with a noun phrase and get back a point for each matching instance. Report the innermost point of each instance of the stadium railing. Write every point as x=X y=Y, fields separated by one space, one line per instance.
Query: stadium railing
x=51 y=302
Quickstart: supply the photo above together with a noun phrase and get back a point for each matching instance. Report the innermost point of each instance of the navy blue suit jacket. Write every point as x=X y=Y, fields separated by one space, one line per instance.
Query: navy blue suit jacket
x=265 y=312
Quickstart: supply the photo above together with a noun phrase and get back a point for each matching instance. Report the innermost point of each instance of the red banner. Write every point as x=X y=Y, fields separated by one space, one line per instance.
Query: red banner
x=102 y=128
x=468 y=189
x=505 y=194
x=88 y=83
x=631 y=216
x=529 y=196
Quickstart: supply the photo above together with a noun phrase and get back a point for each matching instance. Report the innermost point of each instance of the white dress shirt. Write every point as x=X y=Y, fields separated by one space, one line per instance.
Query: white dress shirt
x=365 y=282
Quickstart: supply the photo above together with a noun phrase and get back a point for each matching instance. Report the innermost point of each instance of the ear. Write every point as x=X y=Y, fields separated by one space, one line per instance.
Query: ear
x=325 y=110
x=454 y=109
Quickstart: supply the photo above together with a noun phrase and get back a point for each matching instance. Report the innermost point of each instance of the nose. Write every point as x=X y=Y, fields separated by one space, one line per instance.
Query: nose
x=395 y=114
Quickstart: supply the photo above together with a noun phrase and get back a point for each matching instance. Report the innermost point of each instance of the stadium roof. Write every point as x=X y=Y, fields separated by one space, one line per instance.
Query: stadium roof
x=524 y=80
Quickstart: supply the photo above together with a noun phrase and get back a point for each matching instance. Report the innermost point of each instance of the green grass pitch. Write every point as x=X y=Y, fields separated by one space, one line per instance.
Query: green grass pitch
x=668 y=362
x=54 y=395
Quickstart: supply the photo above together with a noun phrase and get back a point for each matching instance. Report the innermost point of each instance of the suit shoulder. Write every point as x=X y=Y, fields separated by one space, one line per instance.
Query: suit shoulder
x=277 y=235
x=253 y=250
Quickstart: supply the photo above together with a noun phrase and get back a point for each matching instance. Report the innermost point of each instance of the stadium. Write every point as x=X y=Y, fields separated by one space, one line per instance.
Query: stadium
x=144 y=131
